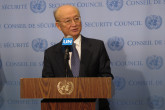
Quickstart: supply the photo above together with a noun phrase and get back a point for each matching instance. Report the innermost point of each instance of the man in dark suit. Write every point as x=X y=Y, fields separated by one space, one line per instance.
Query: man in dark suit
x=94 y=60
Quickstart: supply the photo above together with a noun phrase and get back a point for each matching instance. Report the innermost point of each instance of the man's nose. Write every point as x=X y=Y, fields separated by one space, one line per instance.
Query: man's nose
x=73 y=23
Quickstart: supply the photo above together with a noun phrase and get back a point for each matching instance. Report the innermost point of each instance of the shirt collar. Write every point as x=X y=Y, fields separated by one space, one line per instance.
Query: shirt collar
x=78 y=40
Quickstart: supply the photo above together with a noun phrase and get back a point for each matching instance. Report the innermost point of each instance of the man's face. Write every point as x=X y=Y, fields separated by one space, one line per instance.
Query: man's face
x=69 y=22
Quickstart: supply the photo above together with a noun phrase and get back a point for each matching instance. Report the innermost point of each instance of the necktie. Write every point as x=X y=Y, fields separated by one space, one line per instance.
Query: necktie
x=75 y=62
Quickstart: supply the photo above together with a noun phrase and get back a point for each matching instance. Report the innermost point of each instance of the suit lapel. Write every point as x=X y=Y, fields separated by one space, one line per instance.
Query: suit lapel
x=84 y=56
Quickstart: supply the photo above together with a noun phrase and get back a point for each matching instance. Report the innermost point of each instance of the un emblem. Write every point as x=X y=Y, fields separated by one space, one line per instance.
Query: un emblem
x=116 y=43
x=39 y=45
x=156 y=102
x=65 y=87
x=38 y=6
x=0 y=63
x=114 y=4
x=154 y=62
x=153 y=22
x=119 y=83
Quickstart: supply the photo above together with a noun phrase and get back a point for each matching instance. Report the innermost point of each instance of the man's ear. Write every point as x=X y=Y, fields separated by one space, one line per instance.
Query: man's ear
x=58 y=25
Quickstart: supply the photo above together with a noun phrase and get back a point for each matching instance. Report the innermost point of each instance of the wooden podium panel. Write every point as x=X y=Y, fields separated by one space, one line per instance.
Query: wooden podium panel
x=66 y=93
x=63 y=104
x=91 y=87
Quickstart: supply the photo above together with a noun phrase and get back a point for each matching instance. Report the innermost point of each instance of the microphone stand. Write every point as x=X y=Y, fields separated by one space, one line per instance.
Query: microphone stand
x=66 y=59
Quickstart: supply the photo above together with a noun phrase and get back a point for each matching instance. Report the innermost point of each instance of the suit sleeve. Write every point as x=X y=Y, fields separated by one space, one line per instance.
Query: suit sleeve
x=104 y=65
x=47 y=68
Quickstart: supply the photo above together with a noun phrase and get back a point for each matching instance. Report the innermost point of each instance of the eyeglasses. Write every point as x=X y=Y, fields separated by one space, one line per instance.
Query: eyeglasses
x=69 y=21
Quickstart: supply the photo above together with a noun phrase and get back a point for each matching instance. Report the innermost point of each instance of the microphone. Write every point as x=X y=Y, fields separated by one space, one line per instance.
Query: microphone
x=67 y=47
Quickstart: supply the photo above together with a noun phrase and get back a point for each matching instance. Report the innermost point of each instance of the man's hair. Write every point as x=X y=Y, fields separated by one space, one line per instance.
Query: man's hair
x=55 y=11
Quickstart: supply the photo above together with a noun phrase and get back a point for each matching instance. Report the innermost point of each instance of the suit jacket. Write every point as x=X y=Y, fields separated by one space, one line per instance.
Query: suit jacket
x=94 y=62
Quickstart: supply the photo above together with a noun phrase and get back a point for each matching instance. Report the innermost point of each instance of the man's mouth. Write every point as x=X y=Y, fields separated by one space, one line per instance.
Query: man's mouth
x=74 y=30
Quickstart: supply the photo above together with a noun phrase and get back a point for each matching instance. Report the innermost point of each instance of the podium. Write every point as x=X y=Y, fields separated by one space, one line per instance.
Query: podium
x=66 y=93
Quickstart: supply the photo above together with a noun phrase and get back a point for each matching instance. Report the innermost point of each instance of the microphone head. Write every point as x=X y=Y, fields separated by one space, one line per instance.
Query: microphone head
x=69 y=36
x=67 y=43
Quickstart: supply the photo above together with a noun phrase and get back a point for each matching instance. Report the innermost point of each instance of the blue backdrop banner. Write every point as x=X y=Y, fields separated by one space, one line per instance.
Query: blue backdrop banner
x=133 y=32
